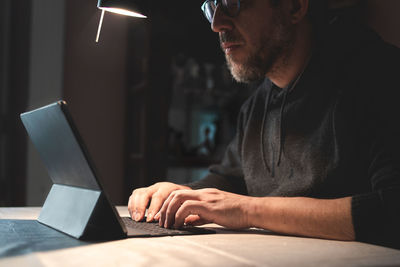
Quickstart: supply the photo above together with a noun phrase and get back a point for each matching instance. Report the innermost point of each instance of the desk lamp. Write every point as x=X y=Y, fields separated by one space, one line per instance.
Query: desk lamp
x=133 y=8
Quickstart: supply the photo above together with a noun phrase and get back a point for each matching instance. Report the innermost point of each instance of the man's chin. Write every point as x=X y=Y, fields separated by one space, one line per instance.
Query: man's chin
x=240 y=75
x=243 y=73
x=235 y=66
x=235 y=69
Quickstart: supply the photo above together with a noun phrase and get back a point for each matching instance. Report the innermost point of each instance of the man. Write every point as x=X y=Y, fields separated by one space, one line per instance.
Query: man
x=316 y=149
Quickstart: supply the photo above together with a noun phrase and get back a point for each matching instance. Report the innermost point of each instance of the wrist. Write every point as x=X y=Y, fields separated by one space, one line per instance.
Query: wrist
x=257 y=212
x=251 y=211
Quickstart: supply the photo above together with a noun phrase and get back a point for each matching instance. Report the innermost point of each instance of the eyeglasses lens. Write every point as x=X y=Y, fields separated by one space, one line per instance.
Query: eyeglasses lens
x=209 y=10
x=230 y=8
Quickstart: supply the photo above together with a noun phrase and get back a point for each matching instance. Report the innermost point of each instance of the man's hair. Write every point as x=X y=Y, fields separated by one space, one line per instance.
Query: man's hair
x=275 y=3
x=317 y=10
x=314 y=6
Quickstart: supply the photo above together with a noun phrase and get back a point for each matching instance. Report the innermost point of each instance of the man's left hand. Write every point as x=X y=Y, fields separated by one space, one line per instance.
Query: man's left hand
x=202 y=206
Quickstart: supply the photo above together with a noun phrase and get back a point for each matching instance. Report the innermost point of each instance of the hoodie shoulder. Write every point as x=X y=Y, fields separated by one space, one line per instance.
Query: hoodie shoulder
x=357 y=54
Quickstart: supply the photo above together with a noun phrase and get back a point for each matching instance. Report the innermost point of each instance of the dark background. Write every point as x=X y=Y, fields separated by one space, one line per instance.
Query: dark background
x=124 y=92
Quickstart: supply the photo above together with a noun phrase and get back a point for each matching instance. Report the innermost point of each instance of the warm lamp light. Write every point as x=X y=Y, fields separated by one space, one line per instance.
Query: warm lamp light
x=132 y=8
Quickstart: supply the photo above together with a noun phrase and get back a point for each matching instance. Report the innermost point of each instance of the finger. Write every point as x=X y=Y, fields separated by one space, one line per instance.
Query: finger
x=132 y=203
x=157 y=216
x=141 y=201
x=177 y=200
x=163 y=210
x=130 y=206
x=191 y=219
x=195 y=220
x=156 y=203
x=190 y=207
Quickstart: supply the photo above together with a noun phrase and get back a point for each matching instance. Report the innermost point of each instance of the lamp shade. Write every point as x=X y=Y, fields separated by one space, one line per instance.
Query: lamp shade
x=133 y=8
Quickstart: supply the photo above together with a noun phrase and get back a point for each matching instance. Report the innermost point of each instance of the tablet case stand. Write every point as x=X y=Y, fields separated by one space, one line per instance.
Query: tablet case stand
x=91 y=219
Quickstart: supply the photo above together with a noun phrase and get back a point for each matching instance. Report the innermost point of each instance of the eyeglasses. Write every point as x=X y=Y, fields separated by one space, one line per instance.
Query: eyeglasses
x=230 y=7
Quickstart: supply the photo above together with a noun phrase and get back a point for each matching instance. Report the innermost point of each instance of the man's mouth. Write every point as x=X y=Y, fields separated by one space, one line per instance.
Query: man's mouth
x=230 y=48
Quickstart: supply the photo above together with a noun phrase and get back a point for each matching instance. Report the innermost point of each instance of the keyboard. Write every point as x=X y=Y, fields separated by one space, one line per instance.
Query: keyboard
x=144 y=228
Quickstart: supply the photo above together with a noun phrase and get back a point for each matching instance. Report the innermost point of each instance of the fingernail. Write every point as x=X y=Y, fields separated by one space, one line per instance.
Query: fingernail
x=157 y=216
x=149 y=217
x=137 y=217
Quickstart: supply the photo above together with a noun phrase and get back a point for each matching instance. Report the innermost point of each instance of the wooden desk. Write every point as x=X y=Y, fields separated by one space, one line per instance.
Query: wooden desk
x=226 y=248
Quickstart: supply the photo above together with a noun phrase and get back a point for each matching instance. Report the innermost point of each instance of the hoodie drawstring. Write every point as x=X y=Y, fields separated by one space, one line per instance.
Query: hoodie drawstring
x=281 y=133
x=263 y=130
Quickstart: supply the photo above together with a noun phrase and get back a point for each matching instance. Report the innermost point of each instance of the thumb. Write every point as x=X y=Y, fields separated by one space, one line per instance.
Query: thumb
x=195 y=220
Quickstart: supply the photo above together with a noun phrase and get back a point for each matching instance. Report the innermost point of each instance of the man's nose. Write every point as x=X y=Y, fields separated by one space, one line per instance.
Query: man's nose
x=221 y=22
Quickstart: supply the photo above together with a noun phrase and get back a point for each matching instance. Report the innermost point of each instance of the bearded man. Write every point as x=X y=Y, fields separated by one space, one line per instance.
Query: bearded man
x=316 y=151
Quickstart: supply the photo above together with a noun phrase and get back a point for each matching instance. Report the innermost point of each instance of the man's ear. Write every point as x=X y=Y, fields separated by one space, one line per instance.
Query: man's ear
x=298 y=10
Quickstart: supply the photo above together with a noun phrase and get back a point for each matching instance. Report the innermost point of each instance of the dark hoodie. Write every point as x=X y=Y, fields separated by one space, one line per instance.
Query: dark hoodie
x=334 y=133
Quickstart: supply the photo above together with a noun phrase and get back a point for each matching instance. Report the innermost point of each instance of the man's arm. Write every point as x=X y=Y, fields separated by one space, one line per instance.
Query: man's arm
x=322 y=218
x=301 y=216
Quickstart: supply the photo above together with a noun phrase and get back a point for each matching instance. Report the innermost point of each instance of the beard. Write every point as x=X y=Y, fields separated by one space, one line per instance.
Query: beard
x=262 y=60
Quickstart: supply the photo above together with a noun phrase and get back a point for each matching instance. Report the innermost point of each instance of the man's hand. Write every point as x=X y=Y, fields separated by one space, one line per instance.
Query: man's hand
x=202 y=206
x=322 y=218
x=155 y=194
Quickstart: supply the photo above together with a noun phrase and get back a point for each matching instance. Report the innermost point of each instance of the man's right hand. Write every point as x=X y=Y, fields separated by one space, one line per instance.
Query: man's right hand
x=155 y=194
